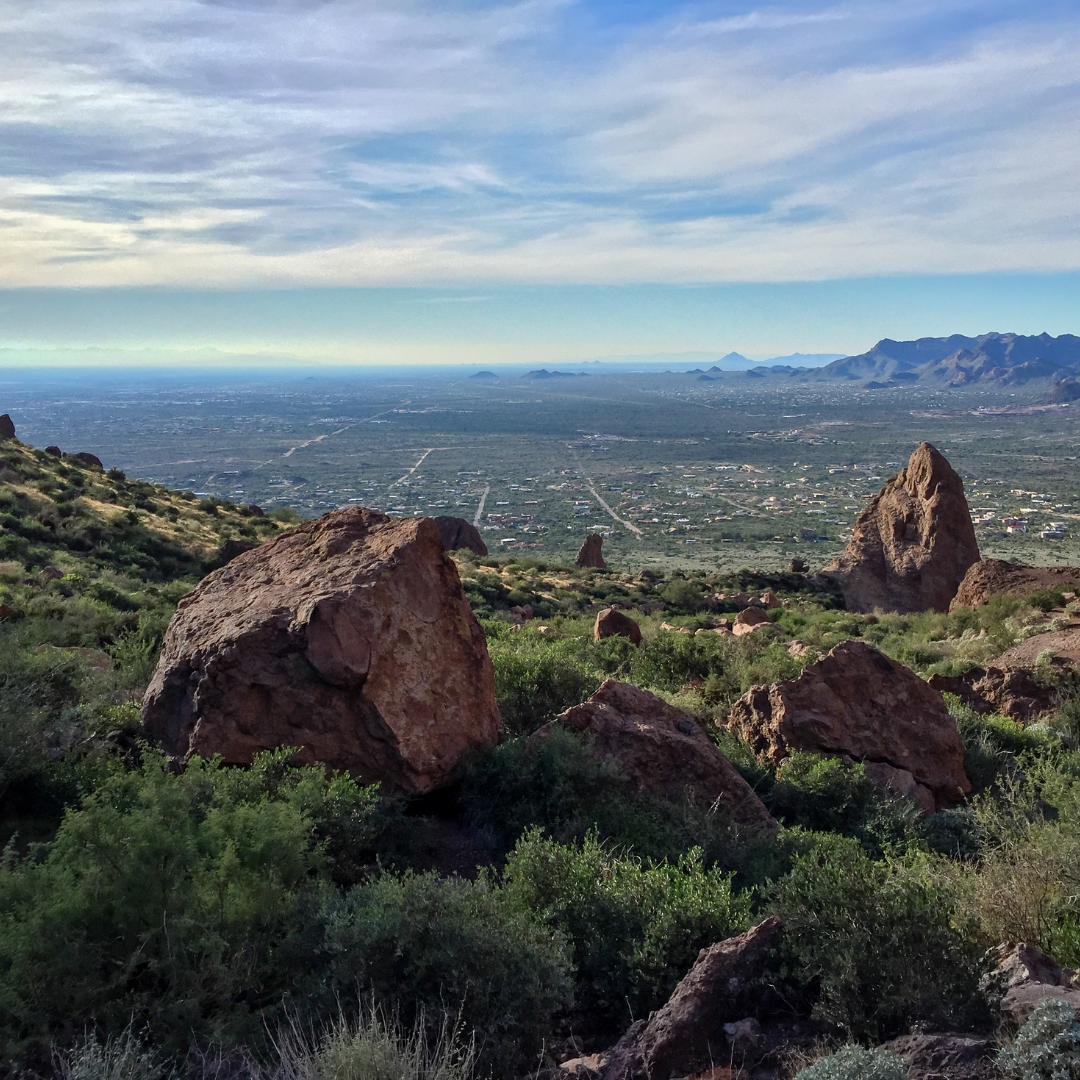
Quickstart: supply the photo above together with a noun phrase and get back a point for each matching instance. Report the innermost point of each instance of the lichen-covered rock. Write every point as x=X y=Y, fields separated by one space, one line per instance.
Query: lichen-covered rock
x=591 y=552
x=913 y=544
x=610 y=622
x=348 y=637
x=859 y=704
x=687 y=1033
x=995 y=577
x=458 y=534
x=661 y=751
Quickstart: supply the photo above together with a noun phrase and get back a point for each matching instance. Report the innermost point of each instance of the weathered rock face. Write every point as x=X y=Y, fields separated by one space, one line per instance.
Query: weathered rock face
x=1063 y=646
x=7 y=427
x=661 y=751
x=591 y=553
x=995 y=577
x=913 y=543
x=457 y=533
x=748 y=620
x=613 y=623
x=348 y=637
x=947 y=1056
x=234 y=547
x=1009 y=691
x=1026 y=976
x=687 y=1033
x=857 y=703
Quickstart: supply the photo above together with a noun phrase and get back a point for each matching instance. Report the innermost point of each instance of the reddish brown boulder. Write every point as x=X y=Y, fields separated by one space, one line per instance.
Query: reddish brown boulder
x=348 y=637
x=7 y=427
x=613 y=623
x=687 y=1033
x=747 y=621
x=1025 y=976
x=591 y=552
x=1009 y=691
x=995 y=577
x=857 y=703
x=458 y=534
x=1062 y=646
x=913 y=543
x=661 y=751
x=945 y=1056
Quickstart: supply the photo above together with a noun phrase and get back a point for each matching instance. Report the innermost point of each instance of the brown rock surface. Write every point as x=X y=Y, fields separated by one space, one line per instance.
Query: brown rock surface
x=91 y=461
x=348 y=637
x=1009 y=691
x=591 y=552
x=7 y=427
x=613 y=623
x=747 y=621
x=1062 y=645
x=946 y=1056
x=236 y=546
x=457 y=533
x=913 y=543
x=995 y=577
x=661 y=751
x=1026 y=976
x=687 y=1033
x=857 y=703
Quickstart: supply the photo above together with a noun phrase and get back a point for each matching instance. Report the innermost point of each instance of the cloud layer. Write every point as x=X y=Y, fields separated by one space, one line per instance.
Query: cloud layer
x=272 y=142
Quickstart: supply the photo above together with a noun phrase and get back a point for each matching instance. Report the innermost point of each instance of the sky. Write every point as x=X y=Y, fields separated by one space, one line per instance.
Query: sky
x=411 y=181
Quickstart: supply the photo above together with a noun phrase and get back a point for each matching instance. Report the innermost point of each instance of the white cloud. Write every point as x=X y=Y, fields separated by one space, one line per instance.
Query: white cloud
x=368 y=142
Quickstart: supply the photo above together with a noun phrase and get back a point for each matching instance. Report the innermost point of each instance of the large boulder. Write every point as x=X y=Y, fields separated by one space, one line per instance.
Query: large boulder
x=945 y=1056
x=995 y=577
x=7 y=427
x=348 y=637
x=457 y=533
x=687 y=1033
x=591 y=552
x=912 y=545
x=661 y=751
x=610 y=622
x=90 y=461
x=1024 y=976
x=1061 y=647
x=857 y=703
x=1010 y=691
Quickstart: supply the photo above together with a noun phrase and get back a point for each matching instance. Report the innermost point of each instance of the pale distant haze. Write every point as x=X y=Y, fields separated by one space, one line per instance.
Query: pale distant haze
x=412 y=182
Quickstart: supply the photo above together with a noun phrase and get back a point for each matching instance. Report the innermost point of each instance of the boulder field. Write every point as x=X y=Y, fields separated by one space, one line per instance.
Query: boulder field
x=348 y=637
x=913 y=544
x=859 y=704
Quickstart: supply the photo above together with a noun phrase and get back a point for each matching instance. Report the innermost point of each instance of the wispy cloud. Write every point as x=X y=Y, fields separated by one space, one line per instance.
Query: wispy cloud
x=373 y=142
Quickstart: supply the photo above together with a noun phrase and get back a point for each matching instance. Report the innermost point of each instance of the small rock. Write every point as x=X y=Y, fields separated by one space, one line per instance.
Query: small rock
x=7 y=427
x=55 y=451
x=1027 y=976
x=543 y=629
x=591 y=552
x=769 y=600
x=522 y=611
x=748 y=620
x=946 y=1056
x=799 y=649
x=49 y=573
x=7 y=612
x=612 y=623
x=798 y=566
x=673 y=629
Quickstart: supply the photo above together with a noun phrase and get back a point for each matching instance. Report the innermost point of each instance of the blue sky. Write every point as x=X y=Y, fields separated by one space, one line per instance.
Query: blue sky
x=604 y=176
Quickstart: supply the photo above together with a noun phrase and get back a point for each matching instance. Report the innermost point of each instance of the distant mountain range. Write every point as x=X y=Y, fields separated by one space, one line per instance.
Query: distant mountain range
x=1001 y=359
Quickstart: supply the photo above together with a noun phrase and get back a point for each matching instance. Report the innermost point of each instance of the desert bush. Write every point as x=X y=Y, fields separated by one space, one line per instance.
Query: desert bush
x=1047 y=1047
x=856 y=1063
x=449 y=950
x=118 y=1057
x=874 y=945
x=635 y=927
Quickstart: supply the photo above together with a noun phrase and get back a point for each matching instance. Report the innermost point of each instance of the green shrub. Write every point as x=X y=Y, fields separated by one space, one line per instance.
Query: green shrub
x=873 y=945
x=1047 y=1047
x=1046 y=599
x=635 y=928
x=450 y=950
x=536 y=678
x=856 y=1063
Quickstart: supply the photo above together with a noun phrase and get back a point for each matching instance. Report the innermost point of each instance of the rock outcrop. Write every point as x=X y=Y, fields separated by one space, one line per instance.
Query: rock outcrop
x=91 y=461
x=234 y=547
x=661 y=751
x=945 y=1056
x=610 y=622
x=913 y=543
x=687 y=1034
x=591 y=552
x=1009 y=691
x=995 y=577
x=1062 y=646
x=748 y=620
x=458 y=534
x=7 y=427
x=856 y=703
x=1025 y=976
x=348 y=637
